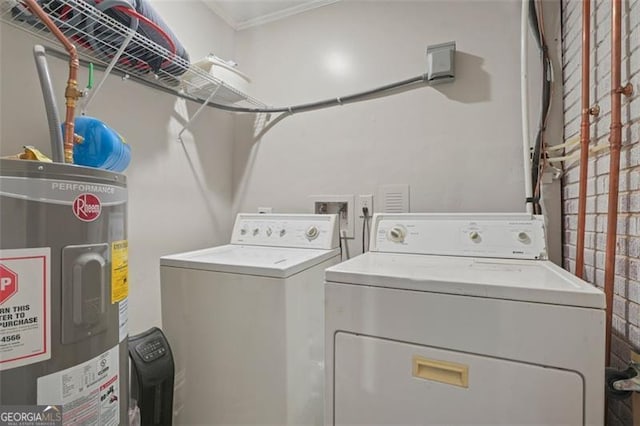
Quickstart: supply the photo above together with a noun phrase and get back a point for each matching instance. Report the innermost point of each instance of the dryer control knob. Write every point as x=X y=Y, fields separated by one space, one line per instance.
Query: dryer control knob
x=282 y=232
x=523 y=237
x=397 y=234
x=256 y=231
x=312 y=233
x=269 y=231
x=243 y=231
x=475 y=236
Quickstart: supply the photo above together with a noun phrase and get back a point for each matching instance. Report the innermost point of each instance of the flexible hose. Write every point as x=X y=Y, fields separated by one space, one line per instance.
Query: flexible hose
x=547 y=78
x=136 y=15
x=328 y=102
x=127 y=8
x=343 y=235
x=103 y=6
x=55 y=129
x=534 y=24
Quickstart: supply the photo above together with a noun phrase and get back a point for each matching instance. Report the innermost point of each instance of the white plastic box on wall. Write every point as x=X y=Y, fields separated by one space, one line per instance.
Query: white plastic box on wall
x=235 y=83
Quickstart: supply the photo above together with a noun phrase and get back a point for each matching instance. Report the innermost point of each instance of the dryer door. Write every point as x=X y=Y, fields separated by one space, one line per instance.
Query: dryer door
x=378 y=381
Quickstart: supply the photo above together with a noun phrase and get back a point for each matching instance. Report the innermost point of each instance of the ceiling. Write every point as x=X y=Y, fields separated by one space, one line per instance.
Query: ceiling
x=241 y=14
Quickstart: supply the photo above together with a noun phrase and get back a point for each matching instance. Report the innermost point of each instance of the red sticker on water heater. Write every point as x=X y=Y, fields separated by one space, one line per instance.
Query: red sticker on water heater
x=87 y=207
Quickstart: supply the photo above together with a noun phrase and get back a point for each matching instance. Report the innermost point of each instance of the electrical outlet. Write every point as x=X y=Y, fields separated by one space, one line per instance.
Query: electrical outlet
x=342 y=205
x=364 y=201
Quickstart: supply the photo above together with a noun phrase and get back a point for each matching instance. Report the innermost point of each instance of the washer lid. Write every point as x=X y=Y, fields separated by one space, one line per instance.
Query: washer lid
x=277 y=262
x=512 y=279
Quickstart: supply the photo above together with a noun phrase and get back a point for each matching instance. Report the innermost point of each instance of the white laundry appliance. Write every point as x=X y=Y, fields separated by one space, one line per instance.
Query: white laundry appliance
x=246 y=322
x=461 y=319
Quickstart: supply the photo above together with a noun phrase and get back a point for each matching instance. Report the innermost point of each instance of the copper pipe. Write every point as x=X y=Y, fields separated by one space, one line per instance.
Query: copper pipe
x=584 y=136
x=71 y=93
x=615 y=142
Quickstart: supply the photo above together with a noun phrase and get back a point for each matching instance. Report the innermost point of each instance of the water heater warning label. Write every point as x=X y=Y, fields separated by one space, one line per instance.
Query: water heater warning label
x=25 y=307
x=119 y=270
x=88 y=392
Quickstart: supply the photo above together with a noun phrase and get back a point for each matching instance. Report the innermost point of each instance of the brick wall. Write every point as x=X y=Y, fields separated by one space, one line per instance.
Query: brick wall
x=626 y=306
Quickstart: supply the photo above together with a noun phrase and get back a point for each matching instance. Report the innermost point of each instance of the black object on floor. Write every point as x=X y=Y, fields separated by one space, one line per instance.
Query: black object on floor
x=152 y=376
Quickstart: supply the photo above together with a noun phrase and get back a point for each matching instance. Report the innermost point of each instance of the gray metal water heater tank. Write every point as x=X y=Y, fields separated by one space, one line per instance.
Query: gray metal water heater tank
x=63 y=290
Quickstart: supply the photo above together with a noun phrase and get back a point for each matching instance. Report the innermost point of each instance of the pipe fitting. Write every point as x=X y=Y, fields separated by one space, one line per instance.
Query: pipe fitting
x=72 y=92
x=626 y=90
x=68 y=155
x=594 y=110
x=68 y=149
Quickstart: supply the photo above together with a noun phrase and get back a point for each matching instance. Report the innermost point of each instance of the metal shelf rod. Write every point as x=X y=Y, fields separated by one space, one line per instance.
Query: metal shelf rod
x=197 y=113
x=107 y=71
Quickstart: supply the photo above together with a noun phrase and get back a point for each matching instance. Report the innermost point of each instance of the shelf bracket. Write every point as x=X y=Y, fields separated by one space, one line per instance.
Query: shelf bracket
x=197 y=113
x=107 y=71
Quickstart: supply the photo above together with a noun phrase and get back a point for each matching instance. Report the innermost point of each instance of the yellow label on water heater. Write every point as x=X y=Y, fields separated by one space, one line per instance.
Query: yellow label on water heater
x=119 y=270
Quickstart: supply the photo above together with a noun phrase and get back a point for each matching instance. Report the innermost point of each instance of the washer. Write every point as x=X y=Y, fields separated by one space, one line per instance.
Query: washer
x=461 y=319
x=246 y=322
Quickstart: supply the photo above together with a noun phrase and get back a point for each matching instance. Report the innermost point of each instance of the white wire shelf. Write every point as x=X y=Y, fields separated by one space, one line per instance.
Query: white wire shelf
x=98 y=38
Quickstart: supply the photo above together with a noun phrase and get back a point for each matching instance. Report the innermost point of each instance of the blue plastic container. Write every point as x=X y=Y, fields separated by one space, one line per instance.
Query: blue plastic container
x=102 y=147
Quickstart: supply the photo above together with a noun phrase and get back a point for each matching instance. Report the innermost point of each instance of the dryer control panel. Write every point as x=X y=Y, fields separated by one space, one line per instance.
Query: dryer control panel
x=516 y=236
x=318 y=231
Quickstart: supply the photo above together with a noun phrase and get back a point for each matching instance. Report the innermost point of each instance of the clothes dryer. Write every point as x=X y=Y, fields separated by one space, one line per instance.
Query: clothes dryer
x=246 y=322
x=461 y=319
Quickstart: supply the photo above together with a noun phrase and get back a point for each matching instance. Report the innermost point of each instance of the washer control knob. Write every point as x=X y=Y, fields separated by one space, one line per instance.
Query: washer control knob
x=523 y=237
x=475 y=236
x=282 y=232
x=269 y=231
x=243 y=231
x=256 y=231
x=312 y=233
x=397 y=234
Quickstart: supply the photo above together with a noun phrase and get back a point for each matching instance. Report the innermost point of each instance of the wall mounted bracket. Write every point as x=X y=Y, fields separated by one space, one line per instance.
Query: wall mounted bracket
x=197 y=113
x=441 y=63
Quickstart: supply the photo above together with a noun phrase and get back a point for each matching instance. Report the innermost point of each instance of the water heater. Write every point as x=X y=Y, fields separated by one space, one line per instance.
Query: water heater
x=63 y=290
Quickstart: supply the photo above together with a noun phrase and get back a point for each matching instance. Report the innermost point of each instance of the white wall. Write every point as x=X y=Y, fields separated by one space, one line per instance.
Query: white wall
x=457 y=145
x=179 y=196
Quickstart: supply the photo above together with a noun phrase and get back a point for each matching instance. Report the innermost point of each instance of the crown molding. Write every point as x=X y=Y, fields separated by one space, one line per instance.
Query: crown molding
x=285 y=13
x=269 y=17
x=222 y=13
